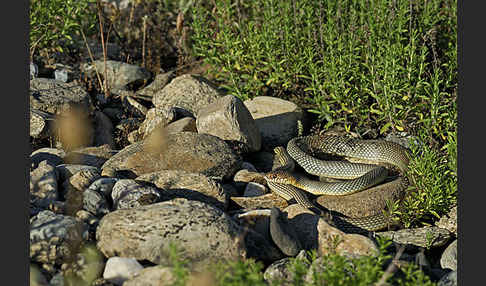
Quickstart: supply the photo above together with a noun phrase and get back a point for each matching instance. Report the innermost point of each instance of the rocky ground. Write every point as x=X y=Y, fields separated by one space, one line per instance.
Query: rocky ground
x=173 y=159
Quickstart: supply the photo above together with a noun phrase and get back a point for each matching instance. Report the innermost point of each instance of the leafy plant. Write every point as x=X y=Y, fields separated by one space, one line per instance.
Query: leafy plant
x=55 y=24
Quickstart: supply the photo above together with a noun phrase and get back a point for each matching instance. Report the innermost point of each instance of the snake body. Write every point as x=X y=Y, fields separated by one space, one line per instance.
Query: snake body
x=286 y=182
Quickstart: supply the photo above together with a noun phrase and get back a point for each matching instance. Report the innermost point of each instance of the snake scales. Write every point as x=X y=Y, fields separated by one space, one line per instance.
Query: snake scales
x=362 y=178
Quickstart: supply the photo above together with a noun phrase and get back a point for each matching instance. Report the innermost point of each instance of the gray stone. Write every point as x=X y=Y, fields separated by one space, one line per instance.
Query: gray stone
x=36 y=277
x=449 y=257
x=55 y=97
x=449 y=221
x=153 y=276
x=129 y=193
x=331 y=239
x=188 y=151
x=254 y=190
x=39 y=124
x=103 y=186
x=55 y=238
x=275 y=118
x=263 y=161
x=265 y=201
x=90 y=156
x=34 y=70
x=229 y=119
x=119 y=74
x=245 y=176
x=63 y=75
x=279 y=273
x=103 y=133
x=53 y=156
x=67 y=170
x=135 y=106
x=120 y=269
x=450 y=279
x=426 y=237
x=202 y=232
x=304 y=222
x=184 y=124
x=192 y=186
x=43 y=185
x=186 y=91
x=284 y=236
x=95 y=203
x=160 y=81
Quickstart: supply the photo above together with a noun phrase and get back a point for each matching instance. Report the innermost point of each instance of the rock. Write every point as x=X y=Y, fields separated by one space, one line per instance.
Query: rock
x=63 y=75
x=153 y=276
x=184 y=124
x=304 y=222
x=187 y=91
x=128 y=194
x=426 y=237
x=53 y=156
x=119 y=74
x=43 y=185
x=160 y=81
x=74 y=187
x=103 y=186
x=97 y=198
x=449 y=257
x=245 y=176
x=229 y=119
x=103 y=133
x=90 y=156
x=258 y=220
x=275 y=118
x=56 y=97
x=74 y=129
x=153 y=119
x=186 y=151
x=39 y=124
x=192 y=186
x=331 y=239
x=34 y=70
x=67 y=170
x=120 y=269
x=87 y=266
x=284 y=236
x=254 y=190
x=263 y=161
x=365 y=203
x=202 y=233
x=260 y=202
x=450 y=279
x=57 y=280
x=95 y=203
x=36 y=277
x=278 y=273
x=55 y=238
x=135 y=107
x=449 y=221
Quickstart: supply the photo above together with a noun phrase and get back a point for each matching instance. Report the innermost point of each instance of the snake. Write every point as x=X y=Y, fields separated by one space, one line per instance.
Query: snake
x=365 y=171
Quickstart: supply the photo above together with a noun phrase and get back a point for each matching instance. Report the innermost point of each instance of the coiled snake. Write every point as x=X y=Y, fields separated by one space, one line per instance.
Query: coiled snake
x=287 y=183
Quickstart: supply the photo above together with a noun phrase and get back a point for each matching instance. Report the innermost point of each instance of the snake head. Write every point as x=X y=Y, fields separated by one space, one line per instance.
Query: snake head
x=279 y=176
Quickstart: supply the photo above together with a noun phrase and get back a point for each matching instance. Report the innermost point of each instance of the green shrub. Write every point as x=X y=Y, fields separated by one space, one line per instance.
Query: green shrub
x=55 y=24
x=369 y=65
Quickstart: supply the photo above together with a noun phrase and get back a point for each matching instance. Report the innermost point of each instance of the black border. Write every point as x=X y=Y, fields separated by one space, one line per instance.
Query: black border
x=15 y=139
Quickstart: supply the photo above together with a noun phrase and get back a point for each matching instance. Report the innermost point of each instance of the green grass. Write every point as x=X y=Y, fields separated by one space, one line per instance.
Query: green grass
x=55 y=24
x=373 y=67
x=333 y=269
